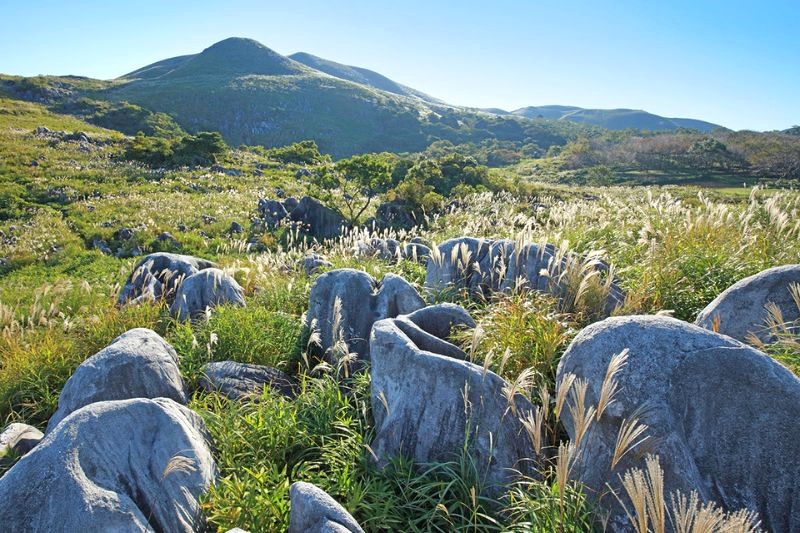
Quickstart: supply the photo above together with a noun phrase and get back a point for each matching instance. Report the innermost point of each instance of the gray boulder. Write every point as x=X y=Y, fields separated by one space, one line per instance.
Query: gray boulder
x=721 y=416
x=395 y=215
x=206 y=289
x=318 y=220
x=418 y=401
x=416 y=252
x=313 y=262
x=484 y=266
x=137 y=364
x=240 y=381
x=131 y=465
x=363 y=301
x=19 y=439
x=158 y=276
x=741 y=309
x=478 y=265
x=385 y=249
x=290 y=203
x=272 y=211
x=314 y=511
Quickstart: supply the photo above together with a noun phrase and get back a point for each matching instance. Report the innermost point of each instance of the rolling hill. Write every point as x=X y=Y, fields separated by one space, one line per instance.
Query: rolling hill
x=614 y=119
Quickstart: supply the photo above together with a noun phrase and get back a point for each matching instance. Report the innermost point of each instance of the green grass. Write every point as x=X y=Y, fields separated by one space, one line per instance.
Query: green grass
x=672 y=248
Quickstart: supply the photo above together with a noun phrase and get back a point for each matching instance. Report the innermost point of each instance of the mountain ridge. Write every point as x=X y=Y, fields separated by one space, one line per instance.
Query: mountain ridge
x=615 y=119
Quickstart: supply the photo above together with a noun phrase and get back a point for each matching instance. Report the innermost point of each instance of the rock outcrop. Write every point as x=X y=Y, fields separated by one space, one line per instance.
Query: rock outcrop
x=484 y=266
x=314 y=511
x=240 y=381
x=318 y=220
x=131 y=465
x=313 y=262
x=345 y=303
x=742 y=309
x=158 y=276
x=205 y=289
x=426 y=402
x=720 y=415
x=137 y=364
x=19 y=439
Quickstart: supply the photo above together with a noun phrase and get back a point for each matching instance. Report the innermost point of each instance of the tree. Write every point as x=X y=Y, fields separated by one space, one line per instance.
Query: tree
x=350 y=185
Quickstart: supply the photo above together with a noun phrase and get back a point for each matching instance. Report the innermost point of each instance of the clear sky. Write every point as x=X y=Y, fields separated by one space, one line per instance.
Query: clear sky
x=732 y=62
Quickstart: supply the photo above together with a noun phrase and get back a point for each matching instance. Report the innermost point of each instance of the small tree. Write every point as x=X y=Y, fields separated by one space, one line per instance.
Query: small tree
x=350 y=185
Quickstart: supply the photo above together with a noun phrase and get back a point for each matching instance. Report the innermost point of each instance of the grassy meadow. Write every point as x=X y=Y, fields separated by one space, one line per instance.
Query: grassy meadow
x=672 y=248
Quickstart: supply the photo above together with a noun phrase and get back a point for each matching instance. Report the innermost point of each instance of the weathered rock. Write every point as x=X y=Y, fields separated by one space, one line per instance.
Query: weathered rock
x=313 y=262
x=398 y=215
x=539 y=268
x=416 y=252
x=137 y=364
x=206 y=289
x=485 y=266
x=131 y=465
x=19 y=439
x=290 y=203
x=272 y=211
x=440 y=319
x=123 y=234
x=125 y=252
x=239 y=381
x=158 y=276
x=317 y=219
x=741 y=309
x=721 y=416
x=363 y=301
x=385 y=249
x=314 y=511
x=102 y=246
x=478 y=265
x=235 y=227
x=425 y=404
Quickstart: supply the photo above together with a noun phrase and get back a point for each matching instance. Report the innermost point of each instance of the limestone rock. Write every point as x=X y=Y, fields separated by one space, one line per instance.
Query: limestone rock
x=313 y=262
x=314 y=511
x=721 y=416
x=130 y=465
x=742 y=308
x=205 y=289
x=19 y=439
x=317 y=219
x=137 y=364
x=240 y=380
x=362 y=301
x=418 y=401
x=158 y=276
x=272 y=211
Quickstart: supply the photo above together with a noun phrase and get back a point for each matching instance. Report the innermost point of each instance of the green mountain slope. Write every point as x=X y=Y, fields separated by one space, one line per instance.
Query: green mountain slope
x=615 y=119
x=253 y=95
x=360 y=75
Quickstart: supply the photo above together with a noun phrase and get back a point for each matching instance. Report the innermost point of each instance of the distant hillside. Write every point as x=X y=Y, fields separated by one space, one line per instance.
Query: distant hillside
x=256 y=96
x=360 y=75
x=253 y=95
x=615 y=119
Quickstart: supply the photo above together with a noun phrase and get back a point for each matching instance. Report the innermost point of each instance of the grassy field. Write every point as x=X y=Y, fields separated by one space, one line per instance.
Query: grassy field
x=673 y=249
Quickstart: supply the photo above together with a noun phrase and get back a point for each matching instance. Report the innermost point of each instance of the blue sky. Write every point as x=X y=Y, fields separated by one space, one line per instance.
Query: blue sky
x=734 y=62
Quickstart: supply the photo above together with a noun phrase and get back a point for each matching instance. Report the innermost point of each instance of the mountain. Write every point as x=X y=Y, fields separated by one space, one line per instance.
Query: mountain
x=360 y=75
x=253 y=95
x=231 y=57
x=614 y=119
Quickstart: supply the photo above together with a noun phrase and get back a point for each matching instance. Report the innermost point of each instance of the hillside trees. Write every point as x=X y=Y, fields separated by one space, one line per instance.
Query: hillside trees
x=205 y=148
x=350 y=185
